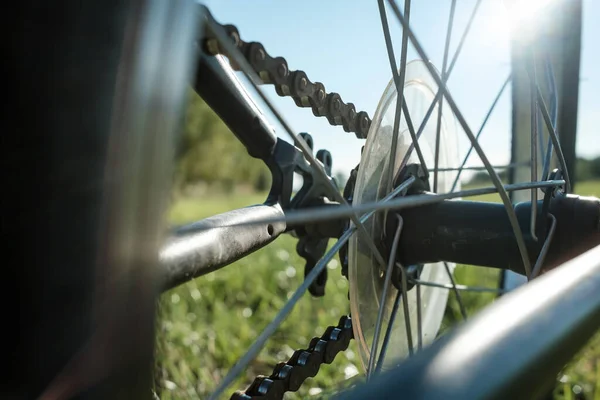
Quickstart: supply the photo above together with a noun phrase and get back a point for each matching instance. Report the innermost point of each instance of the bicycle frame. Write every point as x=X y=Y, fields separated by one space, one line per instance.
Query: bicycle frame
x=568 y=316
x=193 y=250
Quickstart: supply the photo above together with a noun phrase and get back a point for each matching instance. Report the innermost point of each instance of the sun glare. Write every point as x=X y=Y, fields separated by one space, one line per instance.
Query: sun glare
x=525 y=11
x=515 y=17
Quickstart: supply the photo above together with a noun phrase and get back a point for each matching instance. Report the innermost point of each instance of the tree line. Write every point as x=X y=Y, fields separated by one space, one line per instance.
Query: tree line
x=585 y=170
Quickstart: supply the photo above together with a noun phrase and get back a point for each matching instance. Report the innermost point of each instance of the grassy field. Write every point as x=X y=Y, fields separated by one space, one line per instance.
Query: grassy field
x=207 y=324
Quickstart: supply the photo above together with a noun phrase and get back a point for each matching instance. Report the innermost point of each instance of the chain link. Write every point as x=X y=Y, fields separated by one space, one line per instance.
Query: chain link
x=296 y=84
x=304 y=364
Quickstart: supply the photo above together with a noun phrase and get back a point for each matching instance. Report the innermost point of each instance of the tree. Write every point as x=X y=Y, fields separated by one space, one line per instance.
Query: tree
x=587 y=169
x=595 y=167
x=208 y=152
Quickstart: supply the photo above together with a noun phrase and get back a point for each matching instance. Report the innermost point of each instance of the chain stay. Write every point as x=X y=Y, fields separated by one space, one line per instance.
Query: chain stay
x=296 y=84
x=304 y=364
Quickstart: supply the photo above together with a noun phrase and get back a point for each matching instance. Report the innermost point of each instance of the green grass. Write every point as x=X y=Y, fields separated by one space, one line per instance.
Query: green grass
x=207 y=324
x=588 y=188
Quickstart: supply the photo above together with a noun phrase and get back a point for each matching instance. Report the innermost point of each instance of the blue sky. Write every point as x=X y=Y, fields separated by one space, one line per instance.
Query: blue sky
x=340 y=43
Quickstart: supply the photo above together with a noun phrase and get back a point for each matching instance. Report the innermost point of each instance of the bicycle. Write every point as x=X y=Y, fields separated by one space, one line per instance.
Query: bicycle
x=403 y=197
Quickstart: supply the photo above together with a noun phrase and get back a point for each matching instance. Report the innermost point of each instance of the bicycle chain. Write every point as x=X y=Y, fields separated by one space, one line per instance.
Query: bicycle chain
x=275 y=70
x=304 y=364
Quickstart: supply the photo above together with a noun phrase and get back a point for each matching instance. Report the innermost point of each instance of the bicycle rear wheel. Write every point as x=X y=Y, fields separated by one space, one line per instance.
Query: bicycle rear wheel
x=450 y=284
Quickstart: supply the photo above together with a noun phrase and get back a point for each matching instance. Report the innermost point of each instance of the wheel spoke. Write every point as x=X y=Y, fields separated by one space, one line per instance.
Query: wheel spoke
x=461 y=305
x=444 y=81
x=493 y=175
x=384 y=292
x=463 y=38
x=399 y=78
x=485 y=120
x=482 y=168
x=298 y=141
x=318 y=214
x=414 y=139
x=388 y=332
x=417 y=137
x=554 y=139
x=534 y=150
x=544 y=251
x=407 y=324
x=541 y=144
x=459 y=287
x=547 y=160
x=419 y=318
x=439 y=92
x=549 y=149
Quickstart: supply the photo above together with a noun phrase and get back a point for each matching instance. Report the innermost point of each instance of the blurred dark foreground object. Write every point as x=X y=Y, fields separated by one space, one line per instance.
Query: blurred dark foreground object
x=95 y=94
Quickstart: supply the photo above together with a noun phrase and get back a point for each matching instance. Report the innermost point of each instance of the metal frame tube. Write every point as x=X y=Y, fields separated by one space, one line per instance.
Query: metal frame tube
x=215 y=242
x=217 y=84
x=512 y=350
